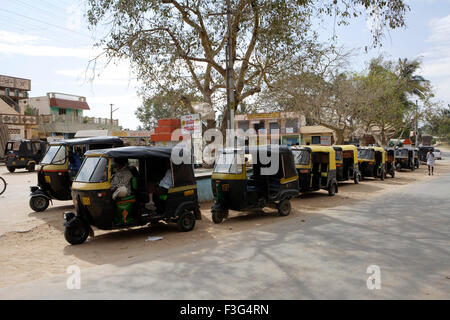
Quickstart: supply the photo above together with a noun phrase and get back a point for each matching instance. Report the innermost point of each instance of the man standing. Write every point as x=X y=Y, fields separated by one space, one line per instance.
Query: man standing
x=430 y=162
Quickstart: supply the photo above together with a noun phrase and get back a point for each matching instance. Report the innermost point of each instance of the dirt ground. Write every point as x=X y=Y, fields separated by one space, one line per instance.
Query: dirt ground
x=32 y=245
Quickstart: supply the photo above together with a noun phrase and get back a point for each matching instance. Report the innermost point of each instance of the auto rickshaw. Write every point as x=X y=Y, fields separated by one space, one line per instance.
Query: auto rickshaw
x=423 y=153
x=93 y=197
x=316 y=167
x=347 y=165
x=57 y=172
x=390 y=161
x=24 y=154
x=372 y=162
x=234 y=189
x=406 y=158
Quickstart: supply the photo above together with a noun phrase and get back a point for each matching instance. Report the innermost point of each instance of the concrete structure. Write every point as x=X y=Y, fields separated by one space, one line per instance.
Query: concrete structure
x=287 y=124
x=62 y=115
x=12 y=90
x=317 y=135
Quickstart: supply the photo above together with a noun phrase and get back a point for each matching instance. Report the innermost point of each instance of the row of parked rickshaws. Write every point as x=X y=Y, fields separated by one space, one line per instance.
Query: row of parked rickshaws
x=243 y=179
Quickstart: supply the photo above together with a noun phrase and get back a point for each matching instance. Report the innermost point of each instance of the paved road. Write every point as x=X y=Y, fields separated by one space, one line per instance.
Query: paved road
x=405 y=234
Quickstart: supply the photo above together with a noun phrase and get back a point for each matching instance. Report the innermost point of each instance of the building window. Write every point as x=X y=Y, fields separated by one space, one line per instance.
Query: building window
x=243 y=125
x=291 y=125
x=274 y=126
x=315 y=140
x=62 y=111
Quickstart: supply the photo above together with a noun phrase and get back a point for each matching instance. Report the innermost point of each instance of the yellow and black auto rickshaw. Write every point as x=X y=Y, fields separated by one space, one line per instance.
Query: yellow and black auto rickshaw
x=406 y=158
x=316 y=167
x=347 y=165
x=272 y=182
x=390 y=161
x=372 y=162
x=24 y=154
x=93 y=197
x=59 y=167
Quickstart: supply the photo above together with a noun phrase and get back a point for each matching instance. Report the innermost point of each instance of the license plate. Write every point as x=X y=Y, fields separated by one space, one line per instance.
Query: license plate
x=86 y=201
x=48 y=179
x=13 y=162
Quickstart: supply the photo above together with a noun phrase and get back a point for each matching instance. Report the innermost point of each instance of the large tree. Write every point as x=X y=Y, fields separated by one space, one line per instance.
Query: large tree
x=180 y=44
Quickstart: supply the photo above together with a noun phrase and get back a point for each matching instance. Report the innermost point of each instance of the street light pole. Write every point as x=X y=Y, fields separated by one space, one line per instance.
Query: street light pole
x=111 y=118
x=415 y=124
x=230 y=71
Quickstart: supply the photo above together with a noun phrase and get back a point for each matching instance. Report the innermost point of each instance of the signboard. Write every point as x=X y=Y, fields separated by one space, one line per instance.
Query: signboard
x=15 y=83
x=289 y=130
x=325 y=140
x=191 y=124
x=264 y=115
x=132 y=134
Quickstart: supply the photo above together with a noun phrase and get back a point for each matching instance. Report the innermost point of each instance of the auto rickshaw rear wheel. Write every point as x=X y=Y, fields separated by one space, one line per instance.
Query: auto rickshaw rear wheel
x=31 y=167
x=76 y=233
x=186 y=221
x=11 y=169
x=332 y=189
x=39 y=203
x=284 y=207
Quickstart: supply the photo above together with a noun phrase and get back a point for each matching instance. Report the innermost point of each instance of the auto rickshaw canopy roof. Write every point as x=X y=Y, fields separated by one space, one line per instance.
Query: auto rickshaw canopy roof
x=137 y=152
x=89 y=141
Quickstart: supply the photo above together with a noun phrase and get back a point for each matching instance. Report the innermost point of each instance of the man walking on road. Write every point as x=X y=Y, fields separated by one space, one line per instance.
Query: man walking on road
x=430 y=162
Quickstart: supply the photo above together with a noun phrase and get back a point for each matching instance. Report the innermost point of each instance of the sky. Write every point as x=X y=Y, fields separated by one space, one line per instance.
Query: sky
x=48 y=42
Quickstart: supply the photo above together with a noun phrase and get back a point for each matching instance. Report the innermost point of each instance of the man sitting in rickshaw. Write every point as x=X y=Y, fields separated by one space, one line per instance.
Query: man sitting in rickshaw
x=160 y=189
x=121 y=180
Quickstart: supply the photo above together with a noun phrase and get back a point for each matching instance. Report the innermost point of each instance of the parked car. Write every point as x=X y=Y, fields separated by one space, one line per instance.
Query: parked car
x=437 y=154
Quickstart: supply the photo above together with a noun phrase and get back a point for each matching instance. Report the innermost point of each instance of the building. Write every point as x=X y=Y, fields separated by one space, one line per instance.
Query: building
x=317 y=135
x=286 y=124
x=62 y=115
x=12 y=91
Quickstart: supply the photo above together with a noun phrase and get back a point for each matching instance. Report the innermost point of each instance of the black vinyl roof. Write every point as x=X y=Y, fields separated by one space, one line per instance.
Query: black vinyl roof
x=269 y=148
x=134 y=152
x=92 y=140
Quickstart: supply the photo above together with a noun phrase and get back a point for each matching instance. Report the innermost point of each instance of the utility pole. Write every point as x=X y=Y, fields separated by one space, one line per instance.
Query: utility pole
x=111 y=118
x=231 y=104
x=416 y=124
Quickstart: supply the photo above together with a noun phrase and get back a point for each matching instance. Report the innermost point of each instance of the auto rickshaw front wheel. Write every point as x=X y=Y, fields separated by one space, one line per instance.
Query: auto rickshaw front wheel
x=11 y=169
x=39 y=203
x=218 y=214
x=284 y=207
x=186 y=221
x=76 y=233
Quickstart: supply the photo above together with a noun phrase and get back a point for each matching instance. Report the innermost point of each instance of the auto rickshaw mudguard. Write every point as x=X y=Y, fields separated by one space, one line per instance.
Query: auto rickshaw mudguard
x=40 y=193
x=191 y=206
x=74 y=220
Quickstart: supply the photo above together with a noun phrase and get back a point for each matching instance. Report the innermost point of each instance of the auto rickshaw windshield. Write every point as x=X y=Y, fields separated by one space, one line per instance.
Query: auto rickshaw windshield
x=401 y=153
x=301 y=156
x=228 y=163
x=93 y=170
x=13 y=146
x=365 y=154
x=55 y=155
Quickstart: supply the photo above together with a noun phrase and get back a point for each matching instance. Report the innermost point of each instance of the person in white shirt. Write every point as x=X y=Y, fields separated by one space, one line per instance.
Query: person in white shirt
x=430 y=162
x=161 y=188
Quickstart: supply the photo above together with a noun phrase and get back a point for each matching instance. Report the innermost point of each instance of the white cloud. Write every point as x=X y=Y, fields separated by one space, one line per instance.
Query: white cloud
x=12 y=43
x=436 y=60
